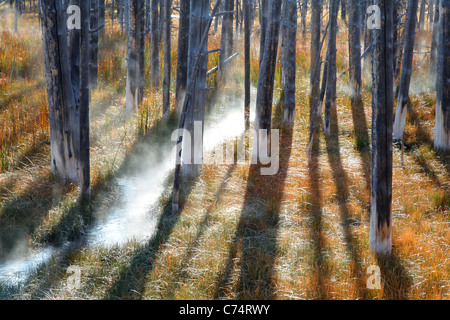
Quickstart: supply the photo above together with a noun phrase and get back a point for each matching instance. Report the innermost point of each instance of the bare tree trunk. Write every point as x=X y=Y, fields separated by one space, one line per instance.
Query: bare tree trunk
x=383 y=105
x=408 y=54
x=289 y=58
x=133 y=72
x=422 y=15
x=85 y=177
x=263 y=16
x=432 y=71
x=62 y=107
x=354 y=33
x=330 y=100
x=247 y=44
x=226 y=42
x=154 y=46
x=264 y=98
x=167 y=58
x=199 y=16
x=17 y=13
x=304 y=12
x=442 y=126
x=183 y=48
x=93 y=44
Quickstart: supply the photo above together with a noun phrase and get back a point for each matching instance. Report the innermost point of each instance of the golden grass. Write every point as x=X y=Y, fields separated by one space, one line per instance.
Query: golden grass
x=302 y=234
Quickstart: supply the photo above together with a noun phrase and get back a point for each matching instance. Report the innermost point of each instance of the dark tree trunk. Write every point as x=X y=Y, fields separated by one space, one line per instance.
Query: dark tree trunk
x=183 y=48
x=264 y=98
x=226 y=42
x=382 y=119
x=304 y=12
x=355 y=50
x=85 y=177
x=167 y=58
x=263 y=16
x=330 y=100
x=289 y=58
x=62 y=106
x=434 y=47
x=93 y=44
x=408 y=54
x=442 y=126
x=247 y=44
x=154 y=45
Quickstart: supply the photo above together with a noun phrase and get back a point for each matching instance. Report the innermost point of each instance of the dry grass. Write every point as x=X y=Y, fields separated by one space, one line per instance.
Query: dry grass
x=302 y=234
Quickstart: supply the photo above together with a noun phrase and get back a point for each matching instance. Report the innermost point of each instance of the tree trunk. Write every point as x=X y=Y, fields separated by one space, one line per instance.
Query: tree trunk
x=154 y=46
x=422 y=15
x=382 y=105
x=17 y=13
x=355 y=50
x=133 y=71
x=199 y=16
x=62 y=107
x=264 y=98
x=247 y=44
x=304 y=12
x=167 y=58
x=442 y=126
x=85 y=177
x=93 y=44
x=183 y=49
x=408 y=54
x=330 y=100
x=289 y=58
x=432 y=71
x=316 y=21
x=226 y=42
x=263 y=16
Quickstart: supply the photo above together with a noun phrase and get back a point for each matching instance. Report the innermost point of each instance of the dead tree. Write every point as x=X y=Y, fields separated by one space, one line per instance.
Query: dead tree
x=442 y=125
x=422 y=15
x=17 y=13
x=93 y=43
x=62 y=106
x=197 y=66
x=330 y=100
x=316 y=21
x=264 y=97
x=85 y=177
x=289 y=58
x=133 y=57
x=247 y=44
x=167 y=58
x=183 y=48
x=405 y=80
x=382 y=119
x=354 y=33
x=432 y=70
x=154 y=46
x=303 y=12
x=226 y=41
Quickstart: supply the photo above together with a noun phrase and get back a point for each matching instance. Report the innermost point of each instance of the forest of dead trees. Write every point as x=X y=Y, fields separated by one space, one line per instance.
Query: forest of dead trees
x=381 y=42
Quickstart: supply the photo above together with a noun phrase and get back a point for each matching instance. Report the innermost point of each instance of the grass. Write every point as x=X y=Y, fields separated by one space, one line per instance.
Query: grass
x=302 y=234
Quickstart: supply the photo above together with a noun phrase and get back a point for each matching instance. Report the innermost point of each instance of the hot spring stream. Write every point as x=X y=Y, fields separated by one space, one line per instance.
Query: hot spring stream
x=134 y=215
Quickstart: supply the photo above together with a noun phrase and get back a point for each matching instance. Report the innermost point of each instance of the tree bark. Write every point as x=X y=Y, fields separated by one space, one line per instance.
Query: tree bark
x=264 y=98
x=405 y=80
x=183 y=48
x=330 y=100
x=382 y=105
x=354 y=32
x=289 y=58
x=199 y=21
x=442 y=126
x=167 y=58
x=247 y=44
x=154 y=46
x=133 y=70
x=62 y=107
x=226 y=42
x=93 y=43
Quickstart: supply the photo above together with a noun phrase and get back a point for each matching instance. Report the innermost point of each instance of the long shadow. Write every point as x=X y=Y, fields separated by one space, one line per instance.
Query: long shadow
x=257 y=229
x=396 y=280
x=180 y=272
x=318 y=264
x=424 y=137
x=341 y=182
x=362 y=139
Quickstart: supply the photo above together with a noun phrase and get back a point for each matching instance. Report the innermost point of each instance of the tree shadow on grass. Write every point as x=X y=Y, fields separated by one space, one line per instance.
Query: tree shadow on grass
x=181 y=273
x=254 y=245
x=396 y=280
x=341 y=182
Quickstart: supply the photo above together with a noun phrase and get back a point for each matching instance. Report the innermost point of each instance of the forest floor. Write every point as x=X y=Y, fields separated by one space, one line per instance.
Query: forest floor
x=301 y=234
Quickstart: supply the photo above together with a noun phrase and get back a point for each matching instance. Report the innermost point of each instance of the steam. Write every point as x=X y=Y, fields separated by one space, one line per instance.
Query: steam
x=134 y=214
